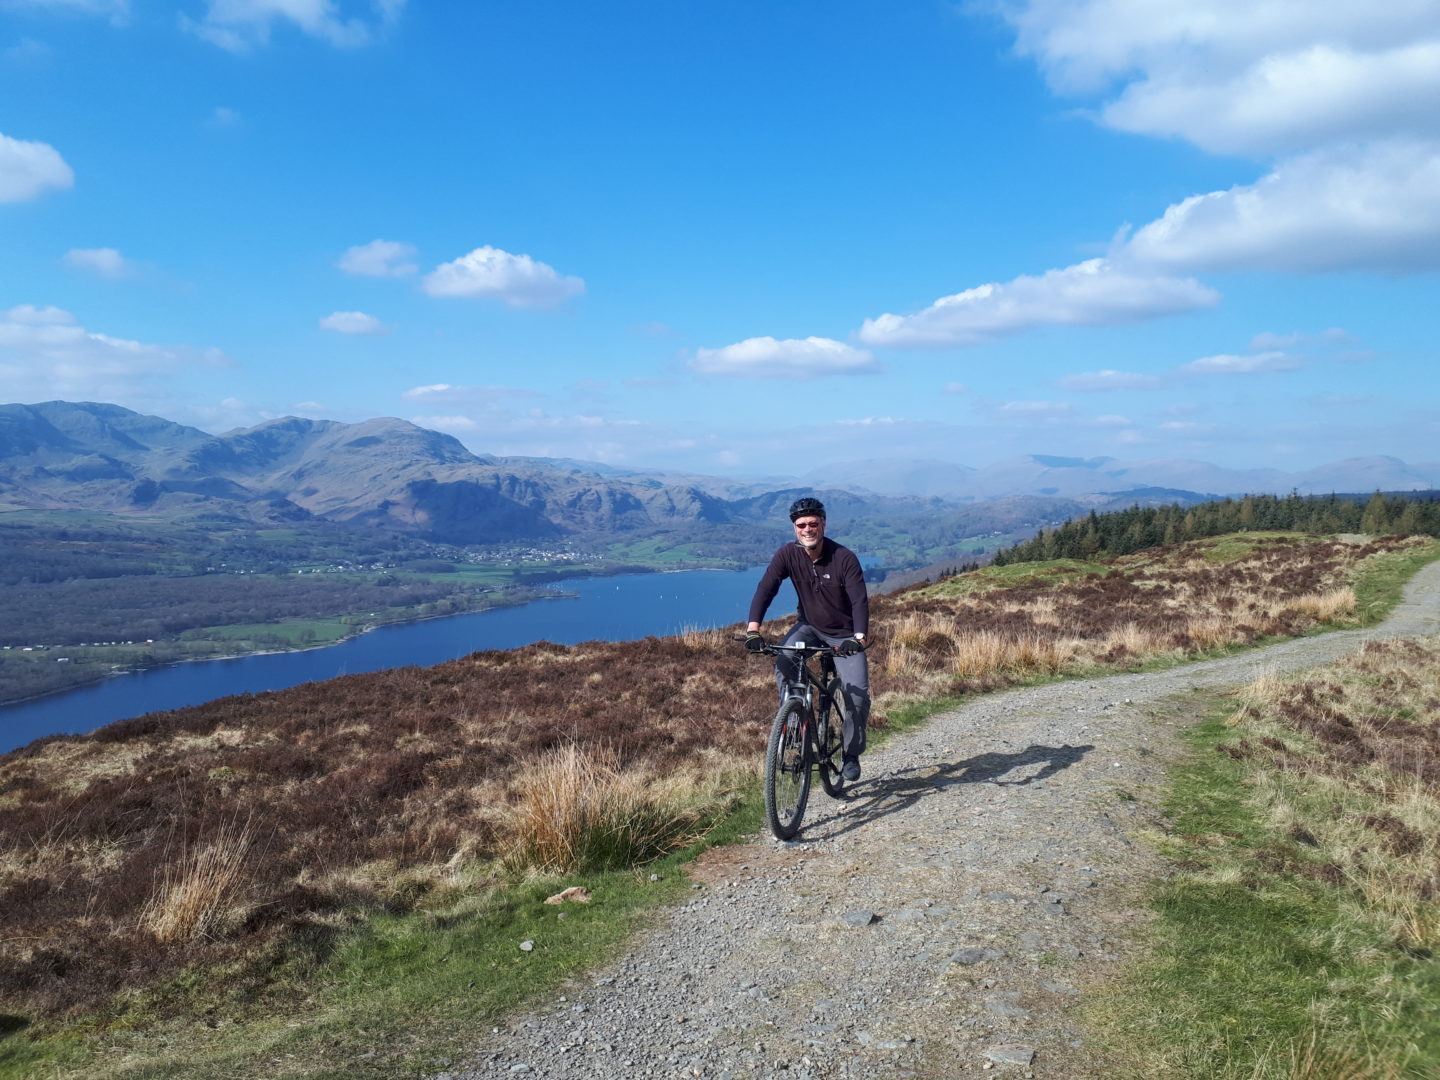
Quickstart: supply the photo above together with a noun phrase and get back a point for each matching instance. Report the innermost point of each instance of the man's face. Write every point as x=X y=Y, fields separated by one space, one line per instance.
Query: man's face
x=809 y=531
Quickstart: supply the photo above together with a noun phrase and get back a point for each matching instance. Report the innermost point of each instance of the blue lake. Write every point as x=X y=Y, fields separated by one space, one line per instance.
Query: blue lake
x=605 y=609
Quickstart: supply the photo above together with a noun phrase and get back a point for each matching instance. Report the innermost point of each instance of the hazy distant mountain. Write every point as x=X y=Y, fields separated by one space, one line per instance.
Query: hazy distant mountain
x=1038 y=474
x=390 y=473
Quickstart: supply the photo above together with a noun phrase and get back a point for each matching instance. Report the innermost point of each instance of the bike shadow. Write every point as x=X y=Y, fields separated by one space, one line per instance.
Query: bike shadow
x=895 y=792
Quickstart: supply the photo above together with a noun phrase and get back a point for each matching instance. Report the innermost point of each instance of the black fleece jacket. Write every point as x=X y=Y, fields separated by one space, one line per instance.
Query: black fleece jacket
x=831 y=591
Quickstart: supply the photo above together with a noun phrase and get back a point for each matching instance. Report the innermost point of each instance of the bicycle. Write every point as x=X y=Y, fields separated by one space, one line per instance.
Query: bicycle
x=807 y=733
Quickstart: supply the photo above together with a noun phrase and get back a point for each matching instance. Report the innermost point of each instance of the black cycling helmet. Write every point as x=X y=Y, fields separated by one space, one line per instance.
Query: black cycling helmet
x=807 y=505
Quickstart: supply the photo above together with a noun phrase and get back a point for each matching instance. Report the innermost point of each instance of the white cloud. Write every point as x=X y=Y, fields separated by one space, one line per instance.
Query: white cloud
x=956 y=388
x=1342 y=98
x=353 y=322
x=1040 y=410
x=379 y=258
x=223 y=116
x=241 y=25
x=28 y=168
x=438 y=394
x=792 y=358
x=1092 y=293
x=1266 y=341
x=45 y=353
x=1290 y=101
x=30 y=315
x=106 y=262
x=1231 y=76
x=1109 y=380
x=516 y=280
x=1228 y=364
x=1374 y=207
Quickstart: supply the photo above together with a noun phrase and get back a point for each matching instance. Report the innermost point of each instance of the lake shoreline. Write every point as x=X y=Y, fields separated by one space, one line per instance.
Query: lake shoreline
x=159 y=665
x=647 y=605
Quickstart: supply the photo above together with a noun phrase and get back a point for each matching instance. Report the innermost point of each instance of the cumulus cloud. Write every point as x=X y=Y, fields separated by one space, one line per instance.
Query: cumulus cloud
x=105 y=262
x=1092 y=293
x=29 y=168
x=353 y=322
x=1289 y=101
x=1109 y=380
x=30 y=315
x=242 y=25
x=492 y=274
x=792 y=358
x=1229 y=364
x=1259 y=78
x=1372 y=207
x=45 y=353
x=379 y=258
x=1344 y=99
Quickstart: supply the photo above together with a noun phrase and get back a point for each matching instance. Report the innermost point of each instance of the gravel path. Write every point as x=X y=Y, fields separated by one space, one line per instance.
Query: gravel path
x=941 y=922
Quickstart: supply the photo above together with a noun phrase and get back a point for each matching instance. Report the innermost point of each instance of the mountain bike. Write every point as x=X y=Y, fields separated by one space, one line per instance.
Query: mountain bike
x=807 y=733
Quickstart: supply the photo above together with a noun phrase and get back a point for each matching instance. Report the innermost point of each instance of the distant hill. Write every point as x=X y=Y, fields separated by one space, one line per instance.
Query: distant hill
x=1039 y=474
x=388 y=473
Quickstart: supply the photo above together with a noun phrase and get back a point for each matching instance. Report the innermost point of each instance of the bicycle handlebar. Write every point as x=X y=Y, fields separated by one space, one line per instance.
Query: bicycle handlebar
x=803 y=647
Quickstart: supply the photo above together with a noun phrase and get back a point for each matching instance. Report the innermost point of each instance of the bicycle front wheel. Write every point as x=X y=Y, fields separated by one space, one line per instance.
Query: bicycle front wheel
x=787 y=770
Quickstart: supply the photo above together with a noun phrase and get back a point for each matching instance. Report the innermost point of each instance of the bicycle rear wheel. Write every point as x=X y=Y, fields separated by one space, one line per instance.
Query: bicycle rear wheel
x=829 y=740
x=787 y=770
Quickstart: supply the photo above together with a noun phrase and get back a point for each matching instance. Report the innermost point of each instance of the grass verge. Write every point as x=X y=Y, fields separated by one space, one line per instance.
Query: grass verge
x=1296 y=937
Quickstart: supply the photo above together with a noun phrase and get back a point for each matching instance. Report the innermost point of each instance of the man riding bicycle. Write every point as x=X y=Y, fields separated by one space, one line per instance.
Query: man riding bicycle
x=833 y=610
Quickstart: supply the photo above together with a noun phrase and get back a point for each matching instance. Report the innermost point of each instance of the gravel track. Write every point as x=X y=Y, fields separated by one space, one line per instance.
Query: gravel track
x=941 y=922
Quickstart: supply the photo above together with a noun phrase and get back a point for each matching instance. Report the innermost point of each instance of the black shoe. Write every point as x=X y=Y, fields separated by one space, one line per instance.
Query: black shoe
x=851 y=771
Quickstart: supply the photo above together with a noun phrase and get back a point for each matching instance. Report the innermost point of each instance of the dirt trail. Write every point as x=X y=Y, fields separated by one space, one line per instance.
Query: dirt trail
x=942 y=922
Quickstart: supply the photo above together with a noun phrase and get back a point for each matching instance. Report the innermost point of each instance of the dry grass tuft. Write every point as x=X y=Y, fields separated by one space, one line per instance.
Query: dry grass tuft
x=206 y=892
x=580 y=811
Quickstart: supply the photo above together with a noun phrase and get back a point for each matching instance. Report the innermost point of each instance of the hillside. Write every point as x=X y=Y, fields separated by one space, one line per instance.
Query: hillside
x=220 y=834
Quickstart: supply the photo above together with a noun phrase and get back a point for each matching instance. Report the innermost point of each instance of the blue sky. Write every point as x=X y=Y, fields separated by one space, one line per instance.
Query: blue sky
x=741 y=238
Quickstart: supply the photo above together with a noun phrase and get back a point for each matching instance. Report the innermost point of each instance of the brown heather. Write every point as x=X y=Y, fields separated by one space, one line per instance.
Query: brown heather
x=215 y=833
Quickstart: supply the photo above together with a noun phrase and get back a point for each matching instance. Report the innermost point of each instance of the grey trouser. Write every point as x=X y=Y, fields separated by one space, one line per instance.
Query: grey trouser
x=854 y=672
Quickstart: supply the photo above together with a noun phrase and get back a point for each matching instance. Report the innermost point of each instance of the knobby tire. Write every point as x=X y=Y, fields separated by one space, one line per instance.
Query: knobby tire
x=787 y=771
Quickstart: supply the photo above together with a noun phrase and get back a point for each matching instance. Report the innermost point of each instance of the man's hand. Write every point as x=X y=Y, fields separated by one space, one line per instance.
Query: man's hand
x=754 y=642
x=849 y=647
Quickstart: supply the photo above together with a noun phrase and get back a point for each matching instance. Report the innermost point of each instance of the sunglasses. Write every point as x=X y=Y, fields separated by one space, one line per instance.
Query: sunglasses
x=808 y=526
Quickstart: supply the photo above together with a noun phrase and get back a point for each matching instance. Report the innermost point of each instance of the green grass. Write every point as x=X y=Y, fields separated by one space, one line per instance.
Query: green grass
x=1249 y=959
x=398 y=996
x=1235 y=546
x=321 y=631
x=1001 y=577
x=1378 y=589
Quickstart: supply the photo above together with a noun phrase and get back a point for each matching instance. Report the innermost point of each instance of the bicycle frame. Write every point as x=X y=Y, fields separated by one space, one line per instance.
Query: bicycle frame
x=808 y=682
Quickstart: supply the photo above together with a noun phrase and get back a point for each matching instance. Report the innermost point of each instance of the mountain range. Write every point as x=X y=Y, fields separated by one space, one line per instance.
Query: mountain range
x=390 y=473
